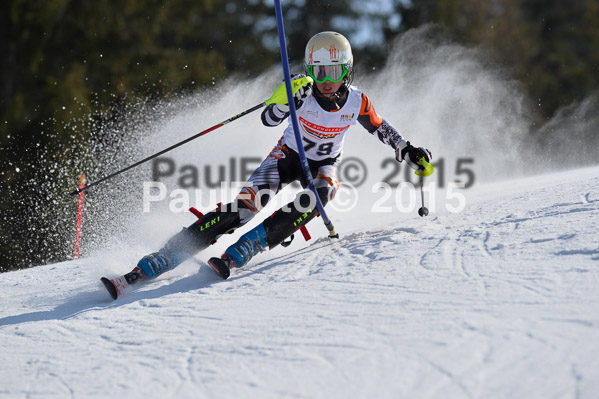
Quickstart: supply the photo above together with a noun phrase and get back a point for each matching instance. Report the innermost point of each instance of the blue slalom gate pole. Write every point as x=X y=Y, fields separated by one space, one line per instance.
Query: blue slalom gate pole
x=293 y=116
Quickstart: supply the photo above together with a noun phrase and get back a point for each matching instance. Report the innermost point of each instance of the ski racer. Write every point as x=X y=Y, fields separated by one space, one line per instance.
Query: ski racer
x=325 y=112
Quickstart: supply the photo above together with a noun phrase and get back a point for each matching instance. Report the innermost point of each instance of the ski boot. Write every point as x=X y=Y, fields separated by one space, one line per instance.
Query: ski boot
x=154 y=264
x=134 y=276
x=240 y=253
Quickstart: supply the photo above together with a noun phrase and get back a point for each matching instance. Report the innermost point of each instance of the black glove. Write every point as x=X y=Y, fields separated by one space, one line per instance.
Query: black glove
x=300 y=95
x=412 y=155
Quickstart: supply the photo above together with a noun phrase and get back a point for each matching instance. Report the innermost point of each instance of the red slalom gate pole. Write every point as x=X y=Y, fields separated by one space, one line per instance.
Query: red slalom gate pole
x=79 y=222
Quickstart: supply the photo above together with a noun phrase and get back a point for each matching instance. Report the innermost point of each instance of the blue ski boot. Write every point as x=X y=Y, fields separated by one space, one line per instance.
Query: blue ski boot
x=240 y=253
x=153 y=265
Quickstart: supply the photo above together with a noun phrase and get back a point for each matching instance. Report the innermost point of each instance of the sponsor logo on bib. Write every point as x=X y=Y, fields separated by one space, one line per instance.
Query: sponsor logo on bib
x=321 y=132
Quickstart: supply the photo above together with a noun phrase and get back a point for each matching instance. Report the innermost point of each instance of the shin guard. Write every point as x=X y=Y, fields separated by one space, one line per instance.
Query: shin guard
x=188 y=242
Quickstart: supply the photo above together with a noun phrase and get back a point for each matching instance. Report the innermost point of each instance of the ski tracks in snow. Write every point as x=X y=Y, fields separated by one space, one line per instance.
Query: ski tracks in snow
x=499 y=301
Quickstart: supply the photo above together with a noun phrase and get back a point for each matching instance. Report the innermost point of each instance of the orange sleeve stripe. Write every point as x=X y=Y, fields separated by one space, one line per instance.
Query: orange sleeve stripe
x=331 y=182
x=367 y=109
x=248 y=196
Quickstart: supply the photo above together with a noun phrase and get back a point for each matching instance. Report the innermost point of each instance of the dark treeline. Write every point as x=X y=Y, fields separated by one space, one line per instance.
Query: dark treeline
x=550 y=45
x=67 y=66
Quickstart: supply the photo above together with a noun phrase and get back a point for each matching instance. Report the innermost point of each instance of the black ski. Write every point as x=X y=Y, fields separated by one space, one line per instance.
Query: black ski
x=220 y=267
x=118 y=285
x=115 y=286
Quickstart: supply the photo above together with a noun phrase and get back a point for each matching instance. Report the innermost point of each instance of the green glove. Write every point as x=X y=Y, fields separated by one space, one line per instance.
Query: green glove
x=301 y=86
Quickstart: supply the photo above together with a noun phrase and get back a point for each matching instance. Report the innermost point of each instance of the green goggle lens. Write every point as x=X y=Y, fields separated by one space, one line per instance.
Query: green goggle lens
x=322 y=73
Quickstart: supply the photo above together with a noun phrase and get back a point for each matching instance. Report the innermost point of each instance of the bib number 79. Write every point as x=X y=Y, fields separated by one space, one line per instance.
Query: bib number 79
x=323 y=150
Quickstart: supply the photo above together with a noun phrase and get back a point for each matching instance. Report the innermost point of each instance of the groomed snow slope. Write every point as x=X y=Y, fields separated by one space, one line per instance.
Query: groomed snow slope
x=499 y=301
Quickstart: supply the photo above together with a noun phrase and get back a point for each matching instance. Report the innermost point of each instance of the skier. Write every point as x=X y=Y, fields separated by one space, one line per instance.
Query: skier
x=325 y=112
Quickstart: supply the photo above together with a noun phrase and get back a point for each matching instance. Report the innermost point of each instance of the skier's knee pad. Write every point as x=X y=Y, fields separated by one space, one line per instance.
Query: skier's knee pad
x=327 y=183
x=251 y=200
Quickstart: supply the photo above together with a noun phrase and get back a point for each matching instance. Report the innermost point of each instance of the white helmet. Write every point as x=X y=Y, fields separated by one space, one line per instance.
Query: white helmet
x=329 y=57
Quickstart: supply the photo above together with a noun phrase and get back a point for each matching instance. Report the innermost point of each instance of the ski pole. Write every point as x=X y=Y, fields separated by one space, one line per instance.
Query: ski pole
x=428 y=170
x=423 y=211
x=293 y=117
x=279 y=97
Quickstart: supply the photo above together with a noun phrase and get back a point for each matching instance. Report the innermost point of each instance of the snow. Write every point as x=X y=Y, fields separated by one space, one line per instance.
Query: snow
x=498 y=301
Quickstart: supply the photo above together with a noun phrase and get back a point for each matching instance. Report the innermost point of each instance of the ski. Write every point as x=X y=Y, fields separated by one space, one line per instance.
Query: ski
x=220 y=267
x=115 y=286
x=118 y=285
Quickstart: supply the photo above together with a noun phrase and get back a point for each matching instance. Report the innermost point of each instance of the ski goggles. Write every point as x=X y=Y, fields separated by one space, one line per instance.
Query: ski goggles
x=322 y=73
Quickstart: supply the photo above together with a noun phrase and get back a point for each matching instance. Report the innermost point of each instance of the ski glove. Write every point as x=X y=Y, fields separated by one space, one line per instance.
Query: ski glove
x=299 y=96
x=406 y=152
